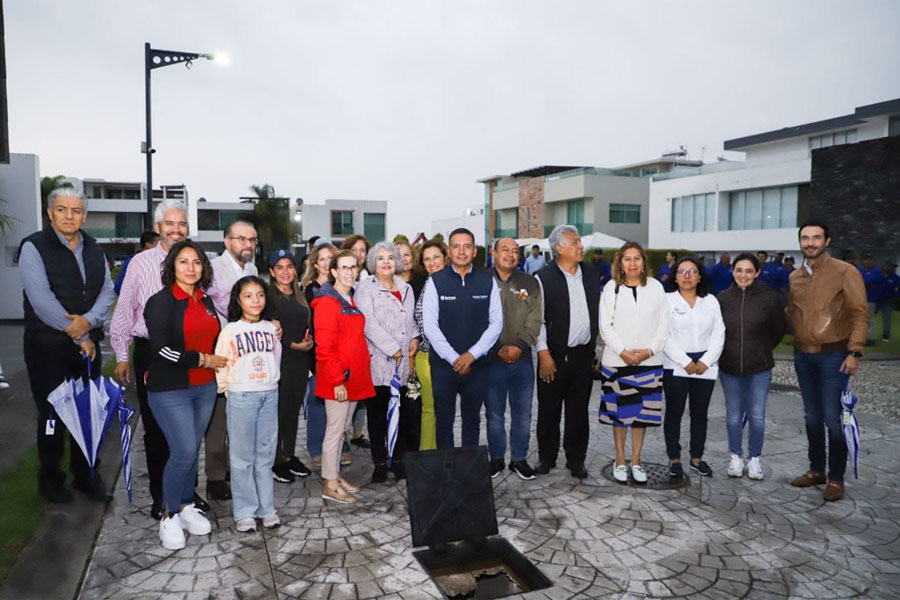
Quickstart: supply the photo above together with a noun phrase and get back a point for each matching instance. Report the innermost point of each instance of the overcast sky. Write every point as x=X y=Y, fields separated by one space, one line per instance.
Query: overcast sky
x=412 y=101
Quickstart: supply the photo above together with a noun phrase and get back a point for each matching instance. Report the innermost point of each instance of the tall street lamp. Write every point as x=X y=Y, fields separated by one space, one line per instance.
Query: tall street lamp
x=155 y=59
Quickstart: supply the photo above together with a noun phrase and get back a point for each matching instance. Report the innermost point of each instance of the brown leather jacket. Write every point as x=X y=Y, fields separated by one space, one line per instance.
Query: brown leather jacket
x=828 y=309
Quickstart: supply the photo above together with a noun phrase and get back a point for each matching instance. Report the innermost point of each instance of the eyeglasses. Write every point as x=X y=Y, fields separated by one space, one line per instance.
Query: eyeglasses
x=244 y=240
x=684 y=272
x=348 y=268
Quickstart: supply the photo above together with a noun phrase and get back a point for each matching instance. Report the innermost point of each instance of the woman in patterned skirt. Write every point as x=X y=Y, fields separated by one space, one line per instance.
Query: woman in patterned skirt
x=634 y=324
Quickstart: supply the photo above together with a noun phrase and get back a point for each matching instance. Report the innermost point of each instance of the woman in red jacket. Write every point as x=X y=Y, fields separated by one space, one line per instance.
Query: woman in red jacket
x=342 y=367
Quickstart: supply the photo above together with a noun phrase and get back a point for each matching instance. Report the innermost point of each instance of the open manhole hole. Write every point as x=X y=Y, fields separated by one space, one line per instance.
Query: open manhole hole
x=451 y=511
x=657 y=478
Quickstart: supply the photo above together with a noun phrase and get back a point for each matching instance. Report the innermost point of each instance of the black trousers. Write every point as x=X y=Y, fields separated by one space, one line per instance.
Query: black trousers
x=678 y=391
x=155 y=446
x=570 y=388
x=50 y=362
x=291 y=391
x=408 y=428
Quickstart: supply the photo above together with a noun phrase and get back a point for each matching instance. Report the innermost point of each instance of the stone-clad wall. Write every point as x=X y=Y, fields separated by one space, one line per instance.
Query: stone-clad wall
x=855 y=189
x=531 y=207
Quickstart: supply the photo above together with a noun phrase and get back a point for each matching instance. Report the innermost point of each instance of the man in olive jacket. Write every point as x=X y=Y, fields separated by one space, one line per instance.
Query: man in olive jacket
x=830 y=317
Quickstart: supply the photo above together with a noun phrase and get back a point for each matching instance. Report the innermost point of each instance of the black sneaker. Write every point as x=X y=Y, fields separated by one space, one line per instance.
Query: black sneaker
x=676 y=470
x=379 y=475
x=522 y=469
x=399 y=470
x=55 y=492
x=496 y=466
x=93 y=489
x=361 y=442
x=201 y=504
x=297 y=467
x=701 y=468
x=282 y=473
x=157 y=510
x=544 y=467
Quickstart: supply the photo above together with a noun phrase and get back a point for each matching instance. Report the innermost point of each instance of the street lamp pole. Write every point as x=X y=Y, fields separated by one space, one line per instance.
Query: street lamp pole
x=155 y=58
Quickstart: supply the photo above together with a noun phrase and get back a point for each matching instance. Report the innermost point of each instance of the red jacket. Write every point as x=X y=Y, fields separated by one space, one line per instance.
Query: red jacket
x=342 y=354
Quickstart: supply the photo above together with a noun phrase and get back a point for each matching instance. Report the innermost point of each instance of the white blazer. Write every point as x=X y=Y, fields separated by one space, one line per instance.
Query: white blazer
x=629 y=324
x=698 y=329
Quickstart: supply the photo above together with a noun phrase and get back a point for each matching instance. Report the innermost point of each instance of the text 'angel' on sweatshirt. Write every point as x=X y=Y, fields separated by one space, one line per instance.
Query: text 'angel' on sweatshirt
x=254 y=357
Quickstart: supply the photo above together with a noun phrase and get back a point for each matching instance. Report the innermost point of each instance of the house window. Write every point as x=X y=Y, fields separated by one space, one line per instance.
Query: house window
x=575 y=211
x=624 y=213
x=894 y=126
x=342 y=222
x=769 y=208
x=373 y=226
x=691 y=213
x=847 y=136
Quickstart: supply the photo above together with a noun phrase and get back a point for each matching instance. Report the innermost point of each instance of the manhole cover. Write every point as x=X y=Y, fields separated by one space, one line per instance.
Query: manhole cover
x=657 y=478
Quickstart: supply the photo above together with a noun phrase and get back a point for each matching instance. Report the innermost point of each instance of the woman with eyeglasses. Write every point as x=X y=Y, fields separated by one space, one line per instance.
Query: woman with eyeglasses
x=634 y=323
x=754 y=325
x=696 y=336
x=342 y=367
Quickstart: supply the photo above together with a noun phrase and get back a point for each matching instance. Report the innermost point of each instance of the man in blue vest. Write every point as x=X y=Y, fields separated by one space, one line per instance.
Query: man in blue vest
x=67 y=295
x=566 y=346
x=462 y=318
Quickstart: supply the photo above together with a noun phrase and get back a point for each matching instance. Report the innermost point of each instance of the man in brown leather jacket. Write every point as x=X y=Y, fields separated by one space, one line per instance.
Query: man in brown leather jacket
x=829 y=314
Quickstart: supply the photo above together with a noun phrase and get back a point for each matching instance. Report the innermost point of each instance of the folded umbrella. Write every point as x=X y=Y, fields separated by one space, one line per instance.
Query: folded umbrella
x=393 y=415
x=850 y=425
x=116 y=395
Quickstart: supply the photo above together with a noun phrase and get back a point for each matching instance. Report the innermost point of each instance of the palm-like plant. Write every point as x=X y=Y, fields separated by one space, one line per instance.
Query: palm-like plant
x=273 y=225
x=6 y=221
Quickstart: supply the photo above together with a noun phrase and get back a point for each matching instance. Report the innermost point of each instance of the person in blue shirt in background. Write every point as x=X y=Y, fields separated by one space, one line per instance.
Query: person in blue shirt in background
x=535 y=261
x=768 y=271
x=601 y=267
x=890 y=291
x=149 y=239
x=720 y=274
x=872 y=279
x=665 y=271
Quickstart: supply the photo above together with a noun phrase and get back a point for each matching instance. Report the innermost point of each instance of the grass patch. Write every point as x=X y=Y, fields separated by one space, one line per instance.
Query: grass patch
x=21 y=509
x=891 y=347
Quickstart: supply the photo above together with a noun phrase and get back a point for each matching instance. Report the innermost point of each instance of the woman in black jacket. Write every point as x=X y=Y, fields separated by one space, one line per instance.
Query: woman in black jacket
x=754 y=325
x=181 y=383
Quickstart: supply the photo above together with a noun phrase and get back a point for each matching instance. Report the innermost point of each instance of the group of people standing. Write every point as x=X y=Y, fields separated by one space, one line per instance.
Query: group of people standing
x=219 y=353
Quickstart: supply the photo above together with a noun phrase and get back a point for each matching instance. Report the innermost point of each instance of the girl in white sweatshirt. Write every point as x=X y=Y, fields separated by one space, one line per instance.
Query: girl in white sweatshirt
x=250 y=383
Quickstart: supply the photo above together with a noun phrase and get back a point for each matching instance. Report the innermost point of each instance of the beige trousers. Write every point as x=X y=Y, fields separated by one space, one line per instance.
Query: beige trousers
x=337 y=418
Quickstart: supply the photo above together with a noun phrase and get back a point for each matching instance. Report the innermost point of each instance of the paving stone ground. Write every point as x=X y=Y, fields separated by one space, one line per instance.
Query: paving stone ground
x=720 y=538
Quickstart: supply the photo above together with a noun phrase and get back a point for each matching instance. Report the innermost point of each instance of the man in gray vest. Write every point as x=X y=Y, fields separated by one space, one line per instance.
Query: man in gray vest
x=67 y=296
x=236 y=262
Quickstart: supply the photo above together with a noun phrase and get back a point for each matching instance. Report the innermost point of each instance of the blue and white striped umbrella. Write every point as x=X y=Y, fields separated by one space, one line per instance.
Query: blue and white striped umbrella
x=393 y=415
x=850 y=425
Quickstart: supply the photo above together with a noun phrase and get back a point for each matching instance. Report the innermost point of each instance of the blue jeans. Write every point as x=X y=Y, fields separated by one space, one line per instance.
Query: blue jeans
x=315 y=421
x=516 y=381
x=472 y=390
x=745 y=399
x=183 y=416
x=252 y=435
x=821 y=383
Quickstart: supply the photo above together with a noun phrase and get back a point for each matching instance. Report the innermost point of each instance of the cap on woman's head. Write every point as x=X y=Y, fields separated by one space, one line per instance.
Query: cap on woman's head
x=277 y=255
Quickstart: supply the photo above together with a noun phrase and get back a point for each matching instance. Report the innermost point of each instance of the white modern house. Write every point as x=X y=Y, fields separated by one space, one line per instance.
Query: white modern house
x=472 y=219
x=756 y=204
x=338 y=219
x=20 y=188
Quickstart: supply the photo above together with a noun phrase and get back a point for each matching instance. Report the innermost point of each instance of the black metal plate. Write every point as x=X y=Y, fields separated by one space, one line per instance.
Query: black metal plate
x=450 y=495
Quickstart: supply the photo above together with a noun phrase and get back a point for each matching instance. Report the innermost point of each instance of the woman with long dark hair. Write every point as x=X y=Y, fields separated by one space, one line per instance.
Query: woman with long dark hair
x=690 y=365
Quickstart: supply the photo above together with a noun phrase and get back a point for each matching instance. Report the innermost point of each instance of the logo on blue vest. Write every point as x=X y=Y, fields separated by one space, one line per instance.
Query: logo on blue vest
x=448 y=297
x=480 y=297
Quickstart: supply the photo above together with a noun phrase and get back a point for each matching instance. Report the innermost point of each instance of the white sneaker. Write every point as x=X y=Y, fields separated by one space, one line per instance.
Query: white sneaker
x=246 y=525
x=3 y=383
x=620 y=473
x=193 y=521
x=170 y=533
x=638 y=474
x=272 y=521
x=736 y=466
x=754 y=469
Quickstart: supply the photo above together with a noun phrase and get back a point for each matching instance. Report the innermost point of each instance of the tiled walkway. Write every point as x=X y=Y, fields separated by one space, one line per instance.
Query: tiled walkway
x=727 y=538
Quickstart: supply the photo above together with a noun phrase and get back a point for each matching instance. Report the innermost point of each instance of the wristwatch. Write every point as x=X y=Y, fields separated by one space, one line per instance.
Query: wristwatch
x=855 y=354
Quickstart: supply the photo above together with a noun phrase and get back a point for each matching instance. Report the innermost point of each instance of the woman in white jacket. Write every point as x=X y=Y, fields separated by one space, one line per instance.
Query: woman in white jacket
x=696 y=339
x=634 y=324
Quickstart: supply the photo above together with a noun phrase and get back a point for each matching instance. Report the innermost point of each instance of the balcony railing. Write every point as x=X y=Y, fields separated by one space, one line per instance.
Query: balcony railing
x=583 y=228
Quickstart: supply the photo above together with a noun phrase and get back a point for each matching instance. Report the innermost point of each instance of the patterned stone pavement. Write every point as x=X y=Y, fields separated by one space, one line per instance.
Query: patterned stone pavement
x=718 y=538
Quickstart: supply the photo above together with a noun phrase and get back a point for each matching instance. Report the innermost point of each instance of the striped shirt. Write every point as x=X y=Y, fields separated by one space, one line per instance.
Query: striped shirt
x=143 y=279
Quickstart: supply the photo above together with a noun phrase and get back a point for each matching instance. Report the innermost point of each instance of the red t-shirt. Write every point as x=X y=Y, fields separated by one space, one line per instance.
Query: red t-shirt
x=397 y=295
x=200 y=331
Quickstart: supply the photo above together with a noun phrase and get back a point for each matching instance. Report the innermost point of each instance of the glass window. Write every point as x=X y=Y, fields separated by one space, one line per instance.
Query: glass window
x=710 y=212
x=815 y=142
x=851 y=136
x=208 y=220
x=676 y=214
x=736 y=210
x=342 y=222
x=700 y=212
x=687 y=213
x=227 y=217
x=129 y=225
x=771 y=216
x=624 y=213
x=753 y=210
x=373 y=226
x=894 y=126
x=788 y=217
x=575 y=211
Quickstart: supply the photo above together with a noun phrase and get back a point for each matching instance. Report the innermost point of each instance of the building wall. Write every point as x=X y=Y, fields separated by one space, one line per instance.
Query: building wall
x=855 y=189
x=21 y=189
x=531 y=208
x=720 y=182
x=618 y=190
x=317 y=217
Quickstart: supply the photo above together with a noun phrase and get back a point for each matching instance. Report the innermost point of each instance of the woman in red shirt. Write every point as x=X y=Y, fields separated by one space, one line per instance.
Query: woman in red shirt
x=342 y=367
x=181 y=382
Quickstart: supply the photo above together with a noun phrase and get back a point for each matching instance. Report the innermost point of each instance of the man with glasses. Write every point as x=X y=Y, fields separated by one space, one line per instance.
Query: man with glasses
x=234 y=263
x=462 y=317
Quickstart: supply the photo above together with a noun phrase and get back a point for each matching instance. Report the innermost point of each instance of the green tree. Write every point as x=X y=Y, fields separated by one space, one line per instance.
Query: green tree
x=48 y=184
x=6 y=221
x=271 y=218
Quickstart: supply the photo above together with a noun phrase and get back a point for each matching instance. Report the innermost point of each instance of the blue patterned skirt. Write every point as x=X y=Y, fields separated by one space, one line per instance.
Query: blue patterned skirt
x=632 y=396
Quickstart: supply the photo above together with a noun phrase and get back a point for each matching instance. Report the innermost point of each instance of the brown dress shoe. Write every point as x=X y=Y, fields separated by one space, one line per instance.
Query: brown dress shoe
x=332 y=490
x=808 y=479
x=347 y=485
x=833 y=491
